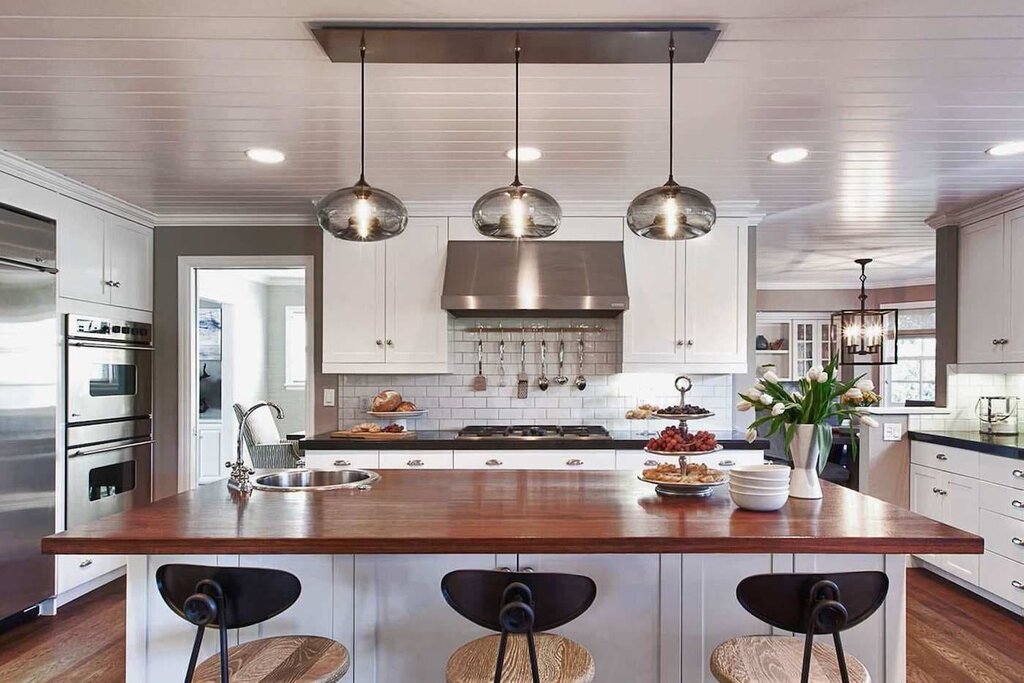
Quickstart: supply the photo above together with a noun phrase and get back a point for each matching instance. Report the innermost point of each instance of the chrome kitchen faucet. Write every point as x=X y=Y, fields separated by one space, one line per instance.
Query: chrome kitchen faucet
x=240 y=472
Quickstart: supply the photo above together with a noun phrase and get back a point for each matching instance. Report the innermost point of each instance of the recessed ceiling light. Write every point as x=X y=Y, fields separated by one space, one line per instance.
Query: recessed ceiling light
x=265 y=155
x=525 y=154
x=788 y=155
x=1006 y=149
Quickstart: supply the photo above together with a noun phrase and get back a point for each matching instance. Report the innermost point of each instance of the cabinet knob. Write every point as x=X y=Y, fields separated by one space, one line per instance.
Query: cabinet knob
x=493 y=463
x=528 y=570
x=679 y=342
x=1017 y=541
x=84 y=563
x=995 y=341
x=941 y=456
x=504 y=569
x=389 y=342
x=110 y=283
x=689 y=342
x=415 y=463
x=380 y=342
x=651 y=463
x=1018 y=473
x=1017 y=584
x=1019 y=504
x=117 y=283
x=342 y=463
x=573 y=462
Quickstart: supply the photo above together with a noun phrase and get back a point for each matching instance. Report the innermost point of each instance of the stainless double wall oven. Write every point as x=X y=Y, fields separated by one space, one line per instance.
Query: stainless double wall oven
x=109 y=399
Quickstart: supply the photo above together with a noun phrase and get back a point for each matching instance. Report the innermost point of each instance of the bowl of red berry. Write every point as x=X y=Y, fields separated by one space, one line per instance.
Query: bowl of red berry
x=674 y=441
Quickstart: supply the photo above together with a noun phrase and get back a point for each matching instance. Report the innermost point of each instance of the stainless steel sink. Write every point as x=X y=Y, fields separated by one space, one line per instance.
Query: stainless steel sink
x=315 y=480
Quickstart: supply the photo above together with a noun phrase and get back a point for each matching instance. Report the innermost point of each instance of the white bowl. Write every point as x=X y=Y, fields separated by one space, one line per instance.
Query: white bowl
x=761 y=483
x=759 y=502
x=763 y=472
x=750 y=488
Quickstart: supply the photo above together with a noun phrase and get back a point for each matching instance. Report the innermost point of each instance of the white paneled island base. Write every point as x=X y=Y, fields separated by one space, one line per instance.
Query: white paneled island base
x=656 y=618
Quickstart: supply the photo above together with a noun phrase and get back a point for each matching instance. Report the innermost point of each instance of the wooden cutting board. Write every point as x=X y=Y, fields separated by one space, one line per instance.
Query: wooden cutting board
x=371 y=436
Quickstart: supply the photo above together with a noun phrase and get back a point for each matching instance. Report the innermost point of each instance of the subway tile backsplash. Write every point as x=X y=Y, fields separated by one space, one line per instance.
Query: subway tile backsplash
x=963 y=391
x=452 y=403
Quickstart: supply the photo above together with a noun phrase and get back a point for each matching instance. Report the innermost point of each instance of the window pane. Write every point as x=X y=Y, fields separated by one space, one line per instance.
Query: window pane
x=916 y=319
x=928 y=370
x=909 y=347
x=928 y=346
x=295 y=345
x=906 y=371
x=900 y=392
x=928 y=391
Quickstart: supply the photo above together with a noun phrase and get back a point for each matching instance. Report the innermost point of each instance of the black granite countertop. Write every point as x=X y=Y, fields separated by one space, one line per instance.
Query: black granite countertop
x=1004 y=446
x=444 y=440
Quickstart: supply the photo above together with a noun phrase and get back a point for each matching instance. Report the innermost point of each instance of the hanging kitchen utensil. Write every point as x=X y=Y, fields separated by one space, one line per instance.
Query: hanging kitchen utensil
x=560 y=378
x=479 y=382
x=542 y=381
x=501 y=362
x=522 y=380
x=581 y=381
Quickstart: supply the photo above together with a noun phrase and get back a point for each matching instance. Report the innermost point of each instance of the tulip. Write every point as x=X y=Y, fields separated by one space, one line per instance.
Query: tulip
x=751 y=435
x=744 y=406
x=753 y=392
x=766 y=399
x=865 y=385
x=797 y=397
x=869 y=421
x=854 y=394
x=778 y=409
x=771 y=377
x=814 y=373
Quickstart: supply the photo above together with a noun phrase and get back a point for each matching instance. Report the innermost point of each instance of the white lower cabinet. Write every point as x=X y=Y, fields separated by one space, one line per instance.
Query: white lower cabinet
x=211 y=464
x=577 y=459
x=723 y=460
x=412 y=460
x=75 y=570
x=325 y=460
x=951 y=499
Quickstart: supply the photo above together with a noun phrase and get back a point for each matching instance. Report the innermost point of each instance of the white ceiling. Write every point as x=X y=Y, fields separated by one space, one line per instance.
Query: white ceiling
x=155 y=101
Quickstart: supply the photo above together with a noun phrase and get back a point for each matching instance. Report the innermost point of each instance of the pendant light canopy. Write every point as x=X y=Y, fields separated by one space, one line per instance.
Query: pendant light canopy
x=671 y=212
x=362 y=213
x=866 y=336
x=516 y=211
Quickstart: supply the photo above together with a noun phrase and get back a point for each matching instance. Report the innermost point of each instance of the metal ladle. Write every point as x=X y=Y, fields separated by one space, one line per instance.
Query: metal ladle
x=581 y=381
x=561 y=378
x=542 y=381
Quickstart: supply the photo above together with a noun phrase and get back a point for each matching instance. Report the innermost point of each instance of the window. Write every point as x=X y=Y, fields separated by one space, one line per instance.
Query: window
x=295 y=346
x=913 y=377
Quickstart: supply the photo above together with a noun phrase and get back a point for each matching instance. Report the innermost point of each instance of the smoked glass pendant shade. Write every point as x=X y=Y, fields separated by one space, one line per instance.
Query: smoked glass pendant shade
x=362 y=213
x=516 y=211
x=671 y=212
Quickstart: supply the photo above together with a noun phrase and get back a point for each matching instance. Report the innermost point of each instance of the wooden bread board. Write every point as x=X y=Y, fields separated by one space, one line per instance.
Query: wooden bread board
x=371 y=436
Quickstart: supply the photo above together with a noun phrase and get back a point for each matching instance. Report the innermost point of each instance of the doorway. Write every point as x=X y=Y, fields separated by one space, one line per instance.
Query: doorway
x=247 y=329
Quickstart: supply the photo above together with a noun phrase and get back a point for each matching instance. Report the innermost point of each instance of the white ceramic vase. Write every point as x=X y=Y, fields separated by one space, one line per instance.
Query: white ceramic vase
x=803 y=451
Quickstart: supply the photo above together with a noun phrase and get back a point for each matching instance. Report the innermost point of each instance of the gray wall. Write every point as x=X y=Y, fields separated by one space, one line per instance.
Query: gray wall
x=169 y=244
x=947 y=257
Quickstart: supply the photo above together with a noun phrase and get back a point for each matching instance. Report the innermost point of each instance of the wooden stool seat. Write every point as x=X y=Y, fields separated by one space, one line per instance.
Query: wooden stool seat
x=284 y=659
x=560 y=661
x=778 y=659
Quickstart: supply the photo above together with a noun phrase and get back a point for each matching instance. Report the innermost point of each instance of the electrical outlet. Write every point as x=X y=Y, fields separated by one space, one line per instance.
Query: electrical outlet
x=329 y=398
x=892 y=431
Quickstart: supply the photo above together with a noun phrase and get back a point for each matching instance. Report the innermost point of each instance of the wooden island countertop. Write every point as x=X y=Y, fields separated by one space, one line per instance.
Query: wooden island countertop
x=445 y=511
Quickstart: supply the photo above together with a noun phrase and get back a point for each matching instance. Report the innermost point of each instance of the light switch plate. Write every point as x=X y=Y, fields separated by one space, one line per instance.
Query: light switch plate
x=892 y=431
x=329 y=398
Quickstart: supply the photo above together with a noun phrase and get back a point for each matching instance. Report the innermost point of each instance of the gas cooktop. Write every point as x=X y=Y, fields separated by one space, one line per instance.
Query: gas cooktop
x=547 y=432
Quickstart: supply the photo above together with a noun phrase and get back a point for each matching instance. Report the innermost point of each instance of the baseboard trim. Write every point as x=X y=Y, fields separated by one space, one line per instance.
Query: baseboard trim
x=89 y=586
x=977 y=590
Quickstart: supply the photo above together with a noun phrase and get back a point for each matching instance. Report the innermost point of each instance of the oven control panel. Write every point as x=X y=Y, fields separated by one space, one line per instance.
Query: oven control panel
x=101 y=329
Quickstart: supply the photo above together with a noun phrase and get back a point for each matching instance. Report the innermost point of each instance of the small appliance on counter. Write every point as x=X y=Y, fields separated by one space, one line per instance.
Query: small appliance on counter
x=998 y=415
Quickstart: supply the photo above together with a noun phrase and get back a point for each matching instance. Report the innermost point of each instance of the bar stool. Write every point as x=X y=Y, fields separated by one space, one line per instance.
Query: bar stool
x=803 y=603
x=520 y=606
x=234 y=597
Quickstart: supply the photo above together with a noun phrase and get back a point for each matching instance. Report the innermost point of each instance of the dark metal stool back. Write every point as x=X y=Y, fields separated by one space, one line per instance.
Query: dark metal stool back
x=224 y=598
x=518 y=602
x=814 y=604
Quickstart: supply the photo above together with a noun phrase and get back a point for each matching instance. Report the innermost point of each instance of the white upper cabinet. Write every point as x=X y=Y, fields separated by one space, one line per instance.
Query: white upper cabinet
x=1013 y=349
x=382 y=302
x=104 y=258
x=984 y=295
x=688 y=304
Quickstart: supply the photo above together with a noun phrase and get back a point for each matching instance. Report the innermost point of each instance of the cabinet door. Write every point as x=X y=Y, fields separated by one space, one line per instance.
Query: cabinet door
x=960 y=509
x=81 y=232
x=715 y=292
x=129 y=260
x=803 y=347
x=1012 y=296
x=353 y=302
x=924 y=497
x=622 y=629
x=416 y=325
x=983 y=295
x=649 y=326
x=211 y=465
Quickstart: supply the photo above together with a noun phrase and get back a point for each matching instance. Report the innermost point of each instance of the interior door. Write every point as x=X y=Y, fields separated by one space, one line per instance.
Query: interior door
x=416 y=325
x=984 y=300
x=353 y=302
x=716 y=296
x=649 y=326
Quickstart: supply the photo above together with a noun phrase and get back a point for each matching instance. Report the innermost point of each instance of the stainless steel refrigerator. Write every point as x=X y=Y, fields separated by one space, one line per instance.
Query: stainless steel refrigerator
x=29 y=371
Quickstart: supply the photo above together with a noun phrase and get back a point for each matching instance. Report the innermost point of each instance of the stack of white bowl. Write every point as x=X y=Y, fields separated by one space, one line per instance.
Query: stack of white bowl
x=759 y=487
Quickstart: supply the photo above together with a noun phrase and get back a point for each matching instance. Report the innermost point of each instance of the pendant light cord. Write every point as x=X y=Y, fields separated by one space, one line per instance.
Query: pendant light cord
x=517 y=51
x=671 y=100
x=362 y=111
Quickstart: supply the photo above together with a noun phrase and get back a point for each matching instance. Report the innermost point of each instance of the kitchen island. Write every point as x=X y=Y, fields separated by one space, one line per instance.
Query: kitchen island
x=371 y=562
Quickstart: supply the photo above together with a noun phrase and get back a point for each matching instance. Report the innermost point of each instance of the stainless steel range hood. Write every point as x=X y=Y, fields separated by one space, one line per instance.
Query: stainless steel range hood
x=528 y=278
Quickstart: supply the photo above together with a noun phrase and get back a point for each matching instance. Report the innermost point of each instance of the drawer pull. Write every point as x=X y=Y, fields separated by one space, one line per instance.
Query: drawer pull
x=650 y=463
x=342 y=463
x=84 y=563
x=415 y=463
x=1019 y=504
x=727 y=463
x=941 y=456
x=1017 y=541
x=1017 y=584
x=493 y=463
x=1018 y=473
x=573 y=462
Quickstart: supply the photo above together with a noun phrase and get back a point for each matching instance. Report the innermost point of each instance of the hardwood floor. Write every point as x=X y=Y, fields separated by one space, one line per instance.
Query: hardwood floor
x=952 y=636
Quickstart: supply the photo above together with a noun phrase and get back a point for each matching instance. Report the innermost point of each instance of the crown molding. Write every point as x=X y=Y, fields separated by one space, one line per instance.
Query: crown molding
x=845 y=284
x=978 y=211
x=32 y=172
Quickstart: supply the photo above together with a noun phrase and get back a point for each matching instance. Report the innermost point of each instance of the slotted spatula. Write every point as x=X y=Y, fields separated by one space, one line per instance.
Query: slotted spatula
x=480 y=381
x=522 y=381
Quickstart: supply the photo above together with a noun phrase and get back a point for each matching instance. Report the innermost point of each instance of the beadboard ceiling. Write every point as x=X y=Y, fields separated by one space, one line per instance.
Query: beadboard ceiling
x=154 y=102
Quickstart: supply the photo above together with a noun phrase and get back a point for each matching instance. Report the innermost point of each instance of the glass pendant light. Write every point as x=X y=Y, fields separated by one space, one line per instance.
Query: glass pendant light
x=516 y=211
x=362 y=213
x=671 y=212
x=866 y=336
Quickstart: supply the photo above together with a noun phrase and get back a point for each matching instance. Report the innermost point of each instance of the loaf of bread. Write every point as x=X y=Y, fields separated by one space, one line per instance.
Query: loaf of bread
x=386 y=401
x=405 y=407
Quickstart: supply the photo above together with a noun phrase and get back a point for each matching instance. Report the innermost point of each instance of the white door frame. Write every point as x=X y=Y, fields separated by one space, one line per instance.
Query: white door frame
x=188 y=387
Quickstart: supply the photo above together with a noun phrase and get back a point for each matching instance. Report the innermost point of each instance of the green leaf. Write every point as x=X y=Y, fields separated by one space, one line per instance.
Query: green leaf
x=823 y=435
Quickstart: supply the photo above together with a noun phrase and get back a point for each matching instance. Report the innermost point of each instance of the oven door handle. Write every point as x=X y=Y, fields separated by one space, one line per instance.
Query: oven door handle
x=107 y=449
x=102 y=345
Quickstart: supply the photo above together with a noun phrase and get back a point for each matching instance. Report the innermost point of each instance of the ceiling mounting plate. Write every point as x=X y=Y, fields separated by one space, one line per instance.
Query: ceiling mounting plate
x=493 y=43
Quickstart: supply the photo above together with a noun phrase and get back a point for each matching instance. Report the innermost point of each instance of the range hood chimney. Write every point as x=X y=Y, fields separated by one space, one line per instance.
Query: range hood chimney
x=528 y=278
